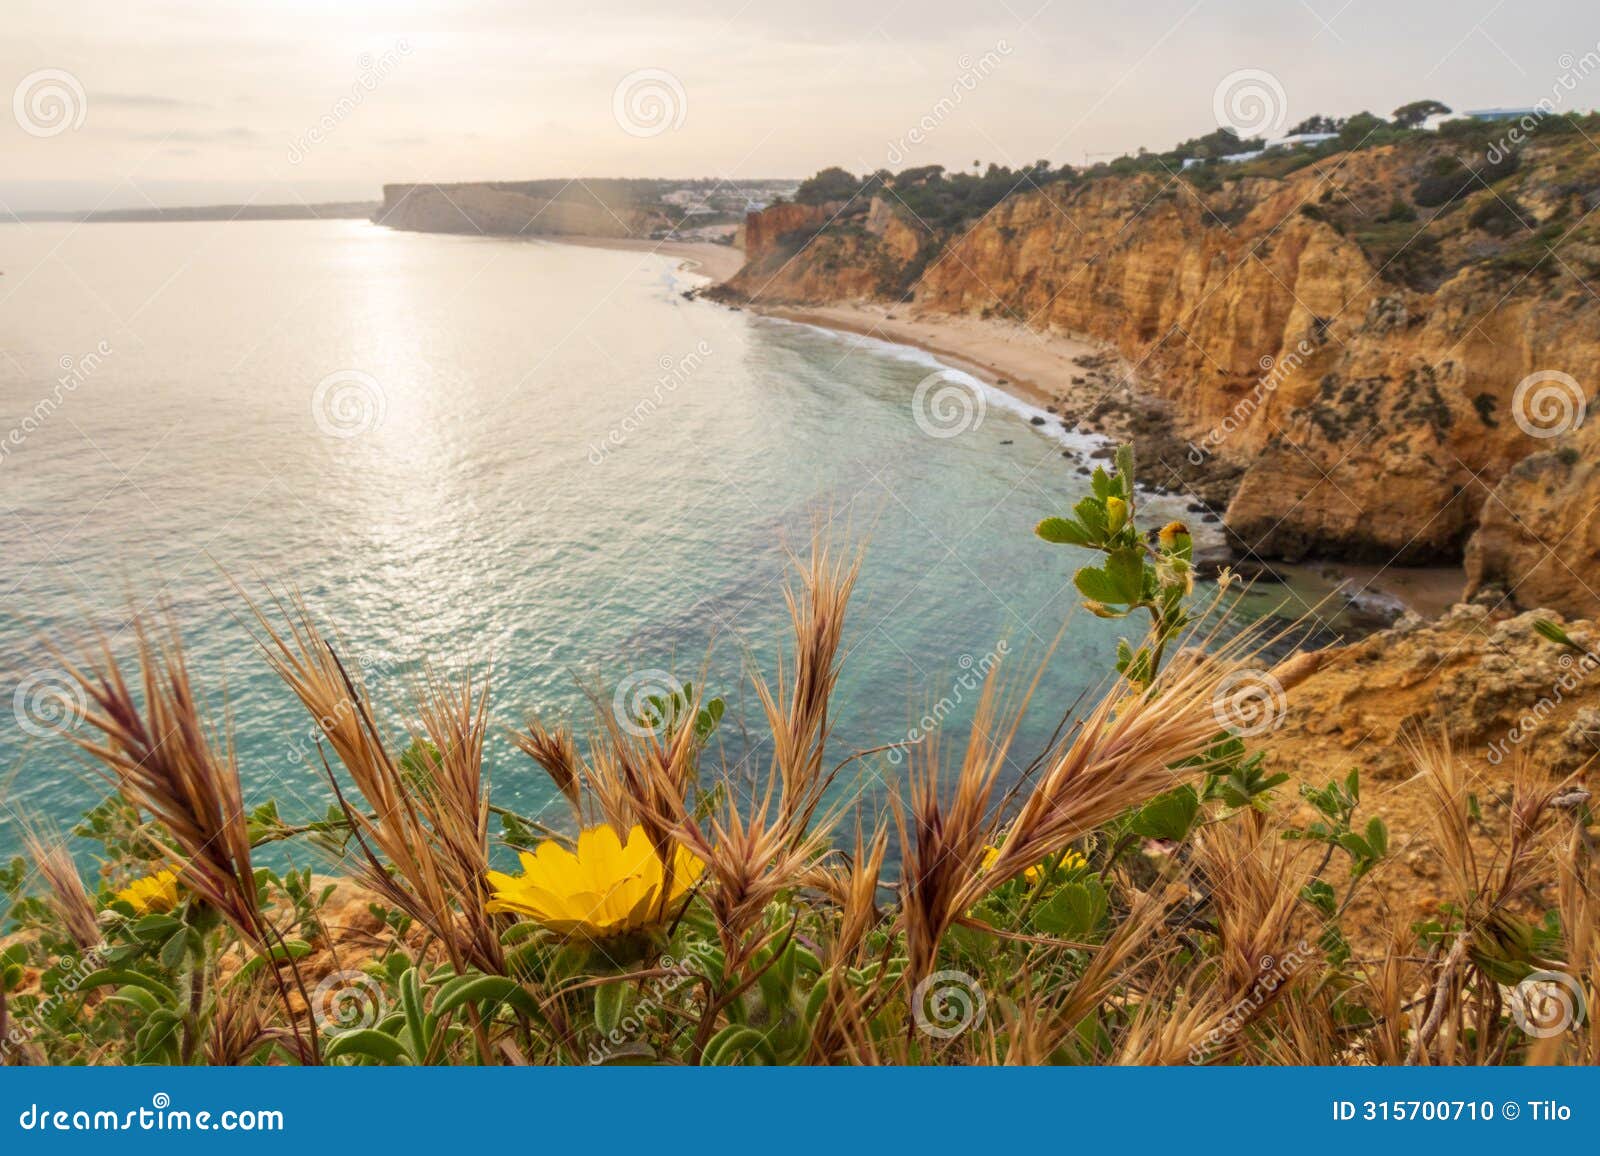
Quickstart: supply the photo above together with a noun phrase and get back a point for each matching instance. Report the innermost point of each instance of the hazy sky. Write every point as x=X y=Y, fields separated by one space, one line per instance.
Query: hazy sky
x=221 y=101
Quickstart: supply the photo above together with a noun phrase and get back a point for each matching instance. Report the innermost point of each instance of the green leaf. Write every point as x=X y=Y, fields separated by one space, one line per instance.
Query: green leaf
x=367 y=1042
x=1062 y=531
x=610 y=1004
x=172 y=951
x=1168 y=816
x=1096 y=585
x=486 y=989
x=1125 y=469
x=1125 y=569
x=1091 y=513
x=122 y=977
x=1074 y=911
x=735 y=1044
x=289 y=949
x=1377 y=837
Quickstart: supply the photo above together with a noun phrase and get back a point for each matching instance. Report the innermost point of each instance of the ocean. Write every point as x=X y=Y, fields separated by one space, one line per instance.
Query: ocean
x=536 y=459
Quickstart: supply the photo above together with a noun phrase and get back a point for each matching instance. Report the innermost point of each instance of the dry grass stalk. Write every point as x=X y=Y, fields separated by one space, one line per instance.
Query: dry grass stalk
x=69 y=898
x=406 y=822
x=166 y=761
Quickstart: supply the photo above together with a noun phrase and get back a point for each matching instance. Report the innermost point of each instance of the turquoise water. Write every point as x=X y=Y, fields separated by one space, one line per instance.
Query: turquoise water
x=533 y=454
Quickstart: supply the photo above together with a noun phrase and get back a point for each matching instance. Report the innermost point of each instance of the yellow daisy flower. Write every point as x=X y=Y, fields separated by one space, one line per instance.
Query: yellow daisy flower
x=158 y=892
x=607 y=888
x=1070 y=861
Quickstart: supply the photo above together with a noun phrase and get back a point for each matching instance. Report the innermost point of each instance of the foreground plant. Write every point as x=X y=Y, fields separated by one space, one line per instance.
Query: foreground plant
x=1137 y=892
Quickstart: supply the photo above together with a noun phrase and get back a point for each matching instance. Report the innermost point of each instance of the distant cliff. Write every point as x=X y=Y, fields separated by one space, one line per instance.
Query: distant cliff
x=526 y=209
x=1351 y=332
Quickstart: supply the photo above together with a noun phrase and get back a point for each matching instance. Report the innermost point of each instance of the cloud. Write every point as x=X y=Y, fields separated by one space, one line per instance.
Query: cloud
x=142 y=100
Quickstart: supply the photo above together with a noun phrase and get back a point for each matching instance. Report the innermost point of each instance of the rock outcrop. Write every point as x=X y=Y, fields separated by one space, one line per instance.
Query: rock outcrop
x=510 y=210
x=1538 y=541
x=1353 y=346
x=1502 y=693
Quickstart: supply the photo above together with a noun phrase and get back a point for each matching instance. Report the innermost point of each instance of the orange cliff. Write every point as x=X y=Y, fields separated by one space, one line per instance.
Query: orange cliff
x=1352 y=351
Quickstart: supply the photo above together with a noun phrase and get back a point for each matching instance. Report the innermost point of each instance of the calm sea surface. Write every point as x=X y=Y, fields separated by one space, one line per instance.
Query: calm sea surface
x=470 y=451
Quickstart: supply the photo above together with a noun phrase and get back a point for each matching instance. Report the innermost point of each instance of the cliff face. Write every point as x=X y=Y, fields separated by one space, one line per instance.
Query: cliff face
x=1355 y=352
x=1539 y=537
x=1502 y=693
x=487 y=208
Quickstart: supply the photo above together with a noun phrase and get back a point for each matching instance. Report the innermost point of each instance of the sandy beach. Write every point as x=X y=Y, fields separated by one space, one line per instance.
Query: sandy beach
x=1069 y=375
x=1038 y=368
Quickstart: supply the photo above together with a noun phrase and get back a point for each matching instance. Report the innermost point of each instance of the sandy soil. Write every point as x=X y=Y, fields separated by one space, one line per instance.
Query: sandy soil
x=1035 y=367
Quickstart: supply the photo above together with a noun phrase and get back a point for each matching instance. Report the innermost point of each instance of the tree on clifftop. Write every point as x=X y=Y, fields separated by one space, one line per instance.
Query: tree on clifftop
x=1413 y=114
x=831 y=184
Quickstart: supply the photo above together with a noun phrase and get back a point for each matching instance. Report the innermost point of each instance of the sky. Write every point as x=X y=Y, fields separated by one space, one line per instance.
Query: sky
x=145 y=102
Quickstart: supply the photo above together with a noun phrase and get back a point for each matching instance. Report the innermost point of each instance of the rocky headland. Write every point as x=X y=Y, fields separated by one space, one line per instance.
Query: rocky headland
x=1336 y=343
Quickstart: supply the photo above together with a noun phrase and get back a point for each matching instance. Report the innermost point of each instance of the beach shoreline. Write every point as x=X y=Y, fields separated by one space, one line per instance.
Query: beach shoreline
x=1019 y=361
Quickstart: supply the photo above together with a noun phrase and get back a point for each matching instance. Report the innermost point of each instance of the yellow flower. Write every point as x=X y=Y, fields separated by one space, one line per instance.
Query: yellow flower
x=1070 y=861
x=1172 y=534
x=158 y=892
x=607 y=888
x=1116 y=513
